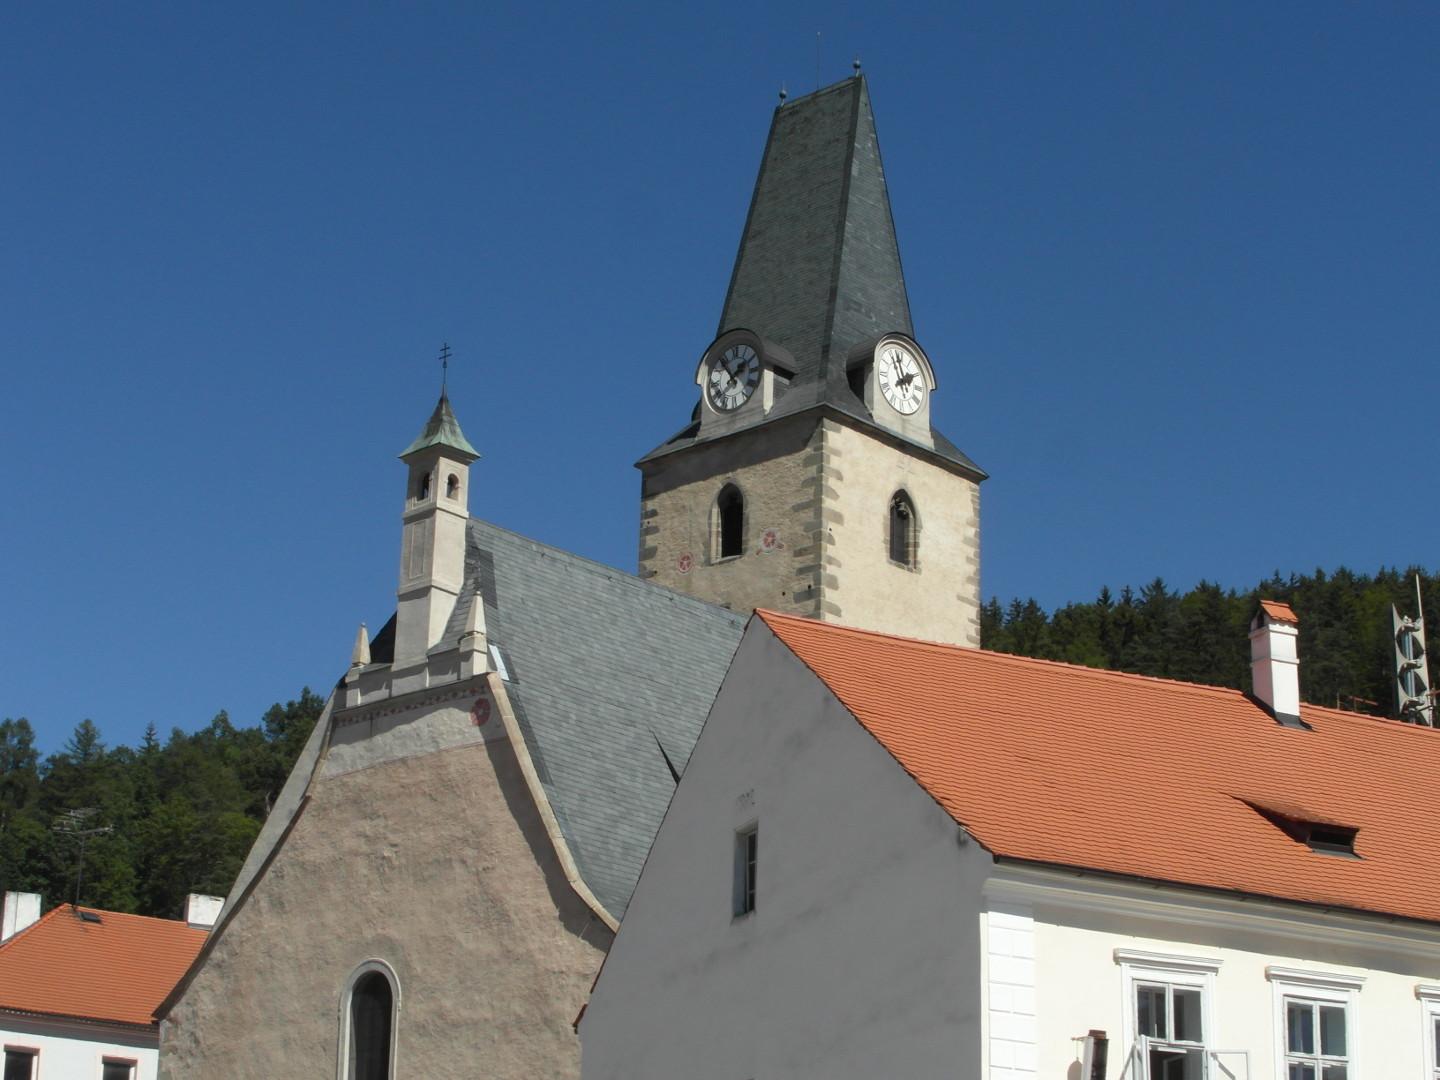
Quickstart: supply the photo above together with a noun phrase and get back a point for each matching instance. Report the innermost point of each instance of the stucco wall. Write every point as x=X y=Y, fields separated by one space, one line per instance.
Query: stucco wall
x=1080 y=984
x=437 y=864
x=939 y=599
x=861 y=957
x=824 y=488
x=777 y=469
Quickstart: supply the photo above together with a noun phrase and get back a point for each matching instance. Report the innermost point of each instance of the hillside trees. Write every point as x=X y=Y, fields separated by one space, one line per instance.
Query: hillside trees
x=1202 y=636
x=180 y=816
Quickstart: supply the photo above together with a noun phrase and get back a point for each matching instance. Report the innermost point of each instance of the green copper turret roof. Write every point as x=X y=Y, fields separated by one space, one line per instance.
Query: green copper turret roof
x=442 y=429
x=819 y=268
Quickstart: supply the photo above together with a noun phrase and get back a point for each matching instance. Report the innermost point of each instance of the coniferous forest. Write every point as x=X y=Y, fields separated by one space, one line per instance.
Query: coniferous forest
x=1346 y=640
x=180 y=816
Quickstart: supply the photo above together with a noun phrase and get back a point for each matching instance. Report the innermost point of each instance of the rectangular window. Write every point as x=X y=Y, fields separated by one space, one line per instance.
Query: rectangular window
x=1315 y=1044
x=19 y=1064
x=1312 y=1022
x=115 y=1069
x=1430 y=1001
x=746 y=845
x=1169 y=1020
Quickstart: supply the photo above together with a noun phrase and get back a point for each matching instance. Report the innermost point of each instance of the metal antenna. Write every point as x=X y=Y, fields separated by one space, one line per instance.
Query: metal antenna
x=444 y=366
x=72 y=823
x=1414 y=700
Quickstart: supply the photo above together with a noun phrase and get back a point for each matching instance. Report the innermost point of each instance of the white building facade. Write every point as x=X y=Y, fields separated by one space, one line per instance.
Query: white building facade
x=875 y=866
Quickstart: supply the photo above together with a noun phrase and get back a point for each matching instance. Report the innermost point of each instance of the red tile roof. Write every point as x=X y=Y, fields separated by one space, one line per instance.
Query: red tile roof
x=1140 y=776
x=117 y=970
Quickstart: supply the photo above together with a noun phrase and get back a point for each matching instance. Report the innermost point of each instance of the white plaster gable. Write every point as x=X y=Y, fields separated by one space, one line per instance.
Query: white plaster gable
x=861 y=956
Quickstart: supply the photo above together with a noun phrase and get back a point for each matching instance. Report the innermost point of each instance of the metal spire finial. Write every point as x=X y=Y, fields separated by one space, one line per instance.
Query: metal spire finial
x=444 y=366
x=783 y=94
x=856 y=64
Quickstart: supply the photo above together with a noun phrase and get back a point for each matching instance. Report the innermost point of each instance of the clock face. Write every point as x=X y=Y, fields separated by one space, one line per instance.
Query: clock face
x=901 y=380
x=733 y=378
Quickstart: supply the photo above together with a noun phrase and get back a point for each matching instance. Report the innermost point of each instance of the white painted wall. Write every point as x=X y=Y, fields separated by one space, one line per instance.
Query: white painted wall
x=77 y=1052
x=862 y=957
x=1080 y=923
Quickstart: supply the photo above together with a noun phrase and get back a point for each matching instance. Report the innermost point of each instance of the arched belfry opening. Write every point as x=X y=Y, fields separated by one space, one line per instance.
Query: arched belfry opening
x=452 y=486
x=904 y=531
x=422 y=487
x=729 y=522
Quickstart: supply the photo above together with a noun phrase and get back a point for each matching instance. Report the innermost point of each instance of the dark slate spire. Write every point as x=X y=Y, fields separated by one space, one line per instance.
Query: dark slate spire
x=442 y=429
x=819 y=269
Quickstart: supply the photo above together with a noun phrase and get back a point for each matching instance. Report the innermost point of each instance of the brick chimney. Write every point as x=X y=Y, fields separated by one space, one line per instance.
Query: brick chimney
x=1274 y=661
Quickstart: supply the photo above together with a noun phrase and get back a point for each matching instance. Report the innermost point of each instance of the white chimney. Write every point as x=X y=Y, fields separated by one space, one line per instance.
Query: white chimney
x=201 y=911
x=1274 y=661
x=21 y=909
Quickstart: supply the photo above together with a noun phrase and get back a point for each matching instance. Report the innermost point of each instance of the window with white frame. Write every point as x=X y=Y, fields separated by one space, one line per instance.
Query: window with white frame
x=1430 y=1002
x=1168 y=1014
x=20 y=1063
x=1314 y=1026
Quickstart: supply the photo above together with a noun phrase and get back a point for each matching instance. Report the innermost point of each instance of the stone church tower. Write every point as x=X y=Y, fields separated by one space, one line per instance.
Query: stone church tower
x=810 y=480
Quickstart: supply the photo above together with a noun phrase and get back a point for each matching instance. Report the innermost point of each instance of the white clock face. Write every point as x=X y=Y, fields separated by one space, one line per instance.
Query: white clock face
x=733 y=378
x=901 y=380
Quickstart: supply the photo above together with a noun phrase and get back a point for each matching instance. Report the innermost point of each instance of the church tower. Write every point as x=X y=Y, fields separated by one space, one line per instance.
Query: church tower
x=432 y=542
x=810 y=480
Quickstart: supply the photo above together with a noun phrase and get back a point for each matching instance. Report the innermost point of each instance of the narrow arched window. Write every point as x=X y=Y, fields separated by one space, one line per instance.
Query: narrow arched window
x=422 y=488
x=904 y=531
x=452 y=486
x=370 y=1040
x=729 y=522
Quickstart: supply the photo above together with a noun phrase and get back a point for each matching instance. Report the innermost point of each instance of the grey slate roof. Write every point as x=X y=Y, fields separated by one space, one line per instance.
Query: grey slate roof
x=604 y=670
x=818 y=272
x=819 y=268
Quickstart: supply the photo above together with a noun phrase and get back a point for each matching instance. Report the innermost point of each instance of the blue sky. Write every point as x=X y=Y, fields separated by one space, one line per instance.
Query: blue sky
x=1176 y=266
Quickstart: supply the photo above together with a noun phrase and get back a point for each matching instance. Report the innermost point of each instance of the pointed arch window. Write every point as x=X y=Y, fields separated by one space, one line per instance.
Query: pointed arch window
x=729 y=523
x=904 y=531
x=368 y=1039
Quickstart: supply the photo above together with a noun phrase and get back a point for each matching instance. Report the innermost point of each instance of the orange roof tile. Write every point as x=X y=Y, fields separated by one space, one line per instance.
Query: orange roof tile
x=1140 y=776
x=116 y=970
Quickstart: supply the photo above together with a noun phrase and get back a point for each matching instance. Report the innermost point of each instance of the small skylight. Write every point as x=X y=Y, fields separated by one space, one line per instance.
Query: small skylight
x=89 y=916
x=1319 y=835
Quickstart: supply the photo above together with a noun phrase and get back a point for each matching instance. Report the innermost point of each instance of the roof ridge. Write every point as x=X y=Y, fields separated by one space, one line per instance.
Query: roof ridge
x=1003 y=657
x=601 y=569
x=1103 y=673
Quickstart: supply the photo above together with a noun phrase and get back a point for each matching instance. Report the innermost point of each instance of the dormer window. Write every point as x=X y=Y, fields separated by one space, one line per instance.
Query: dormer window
x=1321 y=836
x=858 y=376
x=1330 y=839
